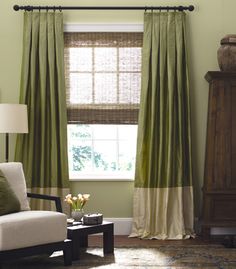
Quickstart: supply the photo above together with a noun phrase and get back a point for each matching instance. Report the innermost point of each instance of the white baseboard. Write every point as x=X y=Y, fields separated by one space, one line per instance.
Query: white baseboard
x=122 y=226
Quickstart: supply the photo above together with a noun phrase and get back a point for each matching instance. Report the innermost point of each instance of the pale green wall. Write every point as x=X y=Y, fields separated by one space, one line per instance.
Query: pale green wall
x=210 y=21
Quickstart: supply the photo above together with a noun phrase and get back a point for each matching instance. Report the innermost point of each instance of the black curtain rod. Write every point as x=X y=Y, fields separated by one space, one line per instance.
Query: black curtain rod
x=31 y=8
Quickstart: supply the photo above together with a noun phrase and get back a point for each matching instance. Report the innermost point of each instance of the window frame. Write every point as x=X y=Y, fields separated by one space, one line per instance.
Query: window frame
x=102 y=28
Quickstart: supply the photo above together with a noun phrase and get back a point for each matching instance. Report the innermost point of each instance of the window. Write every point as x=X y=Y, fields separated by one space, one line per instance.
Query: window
x=103 y=78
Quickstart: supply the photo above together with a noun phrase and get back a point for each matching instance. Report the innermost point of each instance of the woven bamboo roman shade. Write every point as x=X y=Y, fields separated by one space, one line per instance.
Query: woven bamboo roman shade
x=103 y=77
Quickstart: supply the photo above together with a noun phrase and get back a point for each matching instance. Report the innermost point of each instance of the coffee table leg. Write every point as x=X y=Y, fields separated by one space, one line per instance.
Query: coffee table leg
x=67 y=251
x=75 y=249
x=78 y=241
x=108 y=240
x=83 y=241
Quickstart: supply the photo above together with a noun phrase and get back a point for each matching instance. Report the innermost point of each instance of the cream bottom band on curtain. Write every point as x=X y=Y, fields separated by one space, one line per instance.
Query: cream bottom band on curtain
x=170 y=217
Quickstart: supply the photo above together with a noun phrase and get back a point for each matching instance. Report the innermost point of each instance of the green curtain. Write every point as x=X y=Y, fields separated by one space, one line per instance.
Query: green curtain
x=43 y=151
x=163 y=195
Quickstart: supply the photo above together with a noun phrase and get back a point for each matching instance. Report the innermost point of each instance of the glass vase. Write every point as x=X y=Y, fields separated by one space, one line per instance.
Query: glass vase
x=77 y=214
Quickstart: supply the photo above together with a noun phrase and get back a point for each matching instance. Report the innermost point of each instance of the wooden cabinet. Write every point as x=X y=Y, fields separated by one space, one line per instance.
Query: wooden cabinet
x=219 y=190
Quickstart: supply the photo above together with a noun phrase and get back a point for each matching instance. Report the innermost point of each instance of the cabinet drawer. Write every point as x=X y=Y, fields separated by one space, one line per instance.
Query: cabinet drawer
x=223 y=208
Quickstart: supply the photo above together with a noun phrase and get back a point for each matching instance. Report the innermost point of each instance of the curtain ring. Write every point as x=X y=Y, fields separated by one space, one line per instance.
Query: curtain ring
x=28 y=8
x=60 y=8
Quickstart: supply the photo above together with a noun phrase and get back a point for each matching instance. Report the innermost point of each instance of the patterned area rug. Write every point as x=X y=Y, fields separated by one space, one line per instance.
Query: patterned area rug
x=163 y=257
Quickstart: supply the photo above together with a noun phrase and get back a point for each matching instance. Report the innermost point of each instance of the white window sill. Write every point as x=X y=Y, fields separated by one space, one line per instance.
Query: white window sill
x=101 y=178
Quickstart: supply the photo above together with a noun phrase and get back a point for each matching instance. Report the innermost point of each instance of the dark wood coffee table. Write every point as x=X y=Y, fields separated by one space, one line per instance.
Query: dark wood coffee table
x=79 y=236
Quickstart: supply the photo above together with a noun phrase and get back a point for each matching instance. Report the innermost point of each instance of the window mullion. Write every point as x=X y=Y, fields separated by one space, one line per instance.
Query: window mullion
x=117 y=76
x=93 y=101
x=92 y=155
x=117 y=148
x=93 y=75
x=118 y=101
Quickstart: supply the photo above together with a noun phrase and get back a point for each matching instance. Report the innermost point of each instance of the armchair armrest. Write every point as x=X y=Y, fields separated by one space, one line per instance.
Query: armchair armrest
x=47 y=197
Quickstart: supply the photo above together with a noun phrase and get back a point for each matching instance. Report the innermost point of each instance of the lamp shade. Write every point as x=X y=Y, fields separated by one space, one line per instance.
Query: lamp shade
x=13 y=118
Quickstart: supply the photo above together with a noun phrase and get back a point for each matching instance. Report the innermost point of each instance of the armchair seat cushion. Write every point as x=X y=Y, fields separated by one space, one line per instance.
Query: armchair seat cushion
x=31 y=228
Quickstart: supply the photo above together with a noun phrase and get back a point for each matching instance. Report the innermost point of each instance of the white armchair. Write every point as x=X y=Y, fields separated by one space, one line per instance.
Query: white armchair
x=31 y=232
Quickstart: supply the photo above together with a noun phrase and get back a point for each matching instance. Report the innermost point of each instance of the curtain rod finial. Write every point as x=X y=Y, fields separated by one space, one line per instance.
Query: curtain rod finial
x=16 y=7
x=191 y=8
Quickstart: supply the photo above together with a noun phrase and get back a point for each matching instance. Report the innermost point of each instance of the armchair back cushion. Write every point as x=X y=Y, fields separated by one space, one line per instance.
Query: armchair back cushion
x=9 y=203
x=13 y=172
